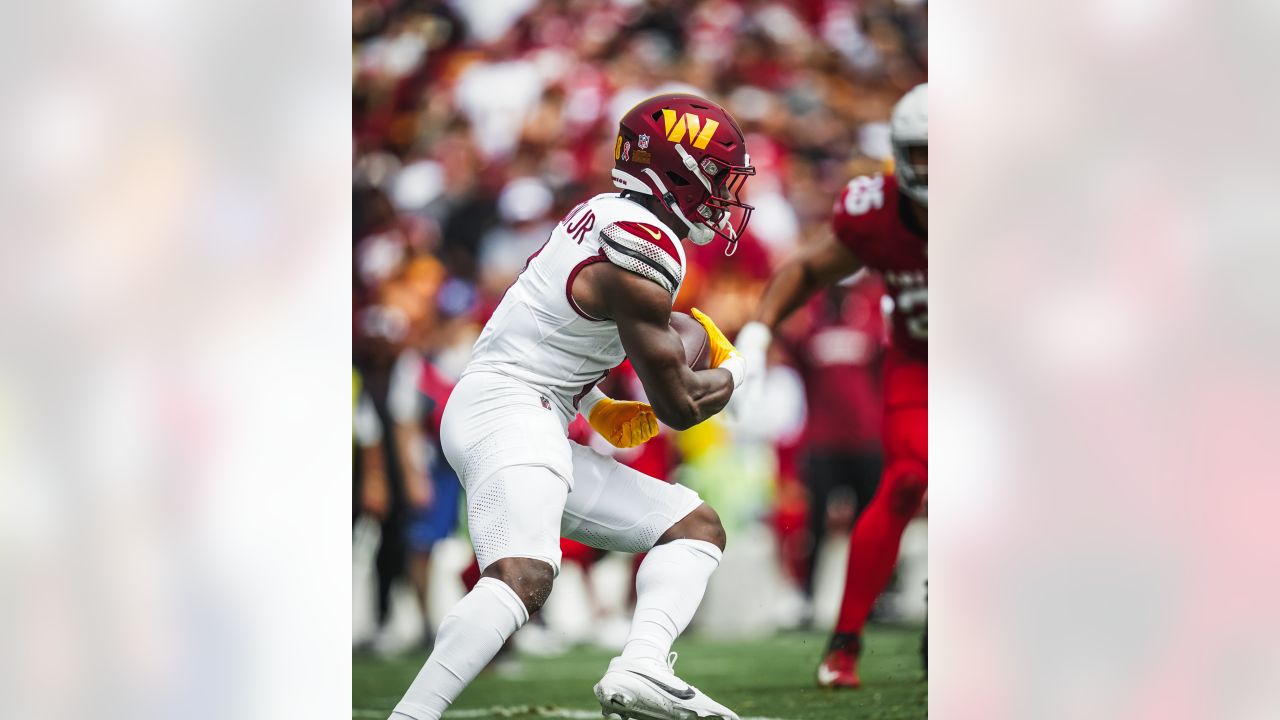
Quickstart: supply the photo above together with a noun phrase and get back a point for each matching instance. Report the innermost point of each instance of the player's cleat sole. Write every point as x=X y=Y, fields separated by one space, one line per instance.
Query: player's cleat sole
x=620 y=707
x=675 y=715
x=639 y=691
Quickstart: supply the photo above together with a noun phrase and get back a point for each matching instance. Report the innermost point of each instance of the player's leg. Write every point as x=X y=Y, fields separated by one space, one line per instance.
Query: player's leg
x=514 y=520
x=877 y=534
x=873 y=551
x=671 y=581
x=513 y=459
x=617 y=508
x=819 y=480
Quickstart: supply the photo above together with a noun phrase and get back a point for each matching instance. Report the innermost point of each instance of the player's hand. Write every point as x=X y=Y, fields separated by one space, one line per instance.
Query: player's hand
x=721 y=348
x=723 y=353
x=753 y=344
x=624 y=423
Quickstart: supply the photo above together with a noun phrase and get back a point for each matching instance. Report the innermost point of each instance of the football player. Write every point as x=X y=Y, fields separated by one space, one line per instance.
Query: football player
x=880 y=223
x=599 y=290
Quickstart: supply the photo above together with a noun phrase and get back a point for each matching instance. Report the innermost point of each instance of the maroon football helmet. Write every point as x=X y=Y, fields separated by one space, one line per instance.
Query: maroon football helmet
x=687 y=152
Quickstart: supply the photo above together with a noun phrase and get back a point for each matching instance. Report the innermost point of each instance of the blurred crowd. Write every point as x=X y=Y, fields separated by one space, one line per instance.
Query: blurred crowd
x=477 y=125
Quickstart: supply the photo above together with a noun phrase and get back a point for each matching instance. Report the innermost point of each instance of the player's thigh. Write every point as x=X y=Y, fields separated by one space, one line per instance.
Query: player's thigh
x=906 y=435
x=906 y=416
x=516 y=512
x=614 y=507
x=492 y=422
x=513 y=461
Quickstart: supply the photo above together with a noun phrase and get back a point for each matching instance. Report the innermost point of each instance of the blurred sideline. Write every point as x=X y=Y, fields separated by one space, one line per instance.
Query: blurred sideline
x=600 y=615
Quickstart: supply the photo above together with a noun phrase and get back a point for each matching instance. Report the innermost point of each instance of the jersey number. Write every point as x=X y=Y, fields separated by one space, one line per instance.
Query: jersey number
x=864 y=194
x=917 y=322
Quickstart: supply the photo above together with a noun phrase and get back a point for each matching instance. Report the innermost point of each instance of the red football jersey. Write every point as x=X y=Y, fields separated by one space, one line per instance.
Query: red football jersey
x=837 y=357
x=873 y=221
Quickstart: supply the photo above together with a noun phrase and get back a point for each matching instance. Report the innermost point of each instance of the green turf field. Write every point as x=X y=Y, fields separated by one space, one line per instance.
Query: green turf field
x=759 y=679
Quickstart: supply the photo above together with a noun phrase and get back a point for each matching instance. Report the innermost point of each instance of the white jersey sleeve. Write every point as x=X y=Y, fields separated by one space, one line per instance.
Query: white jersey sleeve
x=645 y=250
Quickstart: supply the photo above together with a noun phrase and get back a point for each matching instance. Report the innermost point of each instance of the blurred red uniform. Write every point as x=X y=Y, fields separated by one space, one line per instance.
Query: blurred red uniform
x=874 y=221
x=838 y=357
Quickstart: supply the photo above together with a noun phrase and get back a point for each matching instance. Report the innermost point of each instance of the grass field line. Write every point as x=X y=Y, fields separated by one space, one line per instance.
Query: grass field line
x=513 y=711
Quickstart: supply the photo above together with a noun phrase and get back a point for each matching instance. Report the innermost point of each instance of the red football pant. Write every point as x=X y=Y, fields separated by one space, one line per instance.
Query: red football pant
x=877 y=535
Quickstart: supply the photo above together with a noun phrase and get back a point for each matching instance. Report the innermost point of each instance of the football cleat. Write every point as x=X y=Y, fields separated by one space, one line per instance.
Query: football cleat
x=839 y=669
x=640 y=690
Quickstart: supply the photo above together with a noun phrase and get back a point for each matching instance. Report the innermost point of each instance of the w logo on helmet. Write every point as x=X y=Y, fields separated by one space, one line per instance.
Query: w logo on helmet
x=675 y=128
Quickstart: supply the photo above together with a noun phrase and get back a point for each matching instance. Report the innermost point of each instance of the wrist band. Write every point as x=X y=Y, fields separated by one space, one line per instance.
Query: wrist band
x=736 y=367
x=589 y=401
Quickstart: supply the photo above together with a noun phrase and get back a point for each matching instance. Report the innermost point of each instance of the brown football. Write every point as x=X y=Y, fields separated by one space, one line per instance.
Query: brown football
x=697 y=346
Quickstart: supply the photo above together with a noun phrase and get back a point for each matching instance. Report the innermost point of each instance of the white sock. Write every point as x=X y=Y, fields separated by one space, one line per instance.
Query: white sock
x=468 y=638
x=669 y=588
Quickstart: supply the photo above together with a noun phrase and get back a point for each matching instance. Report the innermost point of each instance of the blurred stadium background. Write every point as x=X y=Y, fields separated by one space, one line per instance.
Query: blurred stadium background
x=477 y=125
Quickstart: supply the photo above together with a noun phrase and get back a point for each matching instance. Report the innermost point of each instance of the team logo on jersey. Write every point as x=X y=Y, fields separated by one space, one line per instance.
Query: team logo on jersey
x=644 y=141
x=699 y=133
x=545 y=402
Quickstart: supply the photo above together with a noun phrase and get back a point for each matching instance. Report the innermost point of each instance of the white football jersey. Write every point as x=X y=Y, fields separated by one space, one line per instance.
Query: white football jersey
x=538 y=335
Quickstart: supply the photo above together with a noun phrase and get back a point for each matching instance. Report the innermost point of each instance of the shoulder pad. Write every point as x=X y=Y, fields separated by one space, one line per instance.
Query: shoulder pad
x=644 y=249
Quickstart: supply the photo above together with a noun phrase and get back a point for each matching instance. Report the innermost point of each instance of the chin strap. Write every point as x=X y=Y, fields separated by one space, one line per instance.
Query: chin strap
x=698 y=234
x=731 y=243
x=705 y=233
x=692 y=166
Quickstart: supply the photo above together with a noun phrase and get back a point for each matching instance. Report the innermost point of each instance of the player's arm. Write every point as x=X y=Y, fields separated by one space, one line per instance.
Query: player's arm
x=815 y=267
x=811 y=269
x=680 y=397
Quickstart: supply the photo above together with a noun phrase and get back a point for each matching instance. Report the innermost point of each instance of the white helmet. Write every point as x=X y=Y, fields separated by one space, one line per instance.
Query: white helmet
x=909 y=126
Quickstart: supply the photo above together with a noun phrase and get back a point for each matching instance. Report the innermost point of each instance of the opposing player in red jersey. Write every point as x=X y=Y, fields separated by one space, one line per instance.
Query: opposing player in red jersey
x=881 y=223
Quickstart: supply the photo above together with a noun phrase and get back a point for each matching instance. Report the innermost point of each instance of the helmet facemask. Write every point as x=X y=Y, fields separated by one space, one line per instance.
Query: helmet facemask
x=722 y=213
x=911 y=161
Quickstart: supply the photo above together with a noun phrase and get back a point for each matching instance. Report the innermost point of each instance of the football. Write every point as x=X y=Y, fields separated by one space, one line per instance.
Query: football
x=697 y=346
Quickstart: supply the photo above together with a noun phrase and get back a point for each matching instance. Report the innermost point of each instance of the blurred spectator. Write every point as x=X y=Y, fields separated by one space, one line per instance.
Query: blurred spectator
x=437 y=517
x=838 y=354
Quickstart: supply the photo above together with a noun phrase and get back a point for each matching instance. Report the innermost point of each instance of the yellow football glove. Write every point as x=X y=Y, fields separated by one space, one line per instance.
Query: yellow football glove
x=721 y=348
x=624 y=423
x=723 y=353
